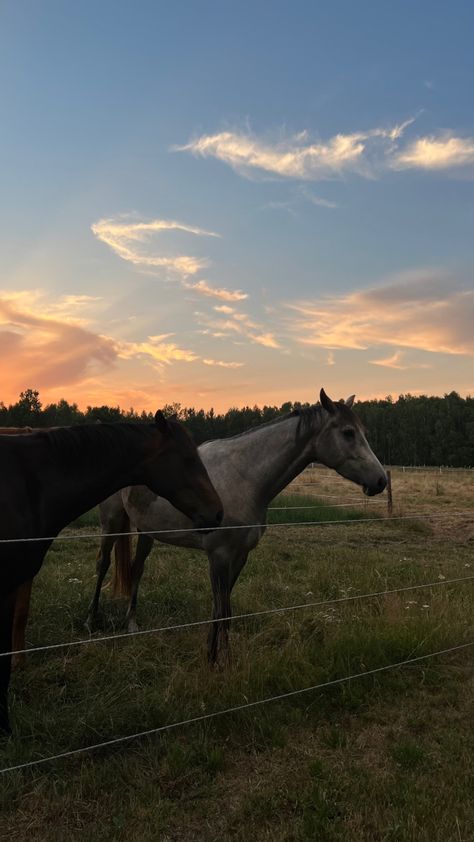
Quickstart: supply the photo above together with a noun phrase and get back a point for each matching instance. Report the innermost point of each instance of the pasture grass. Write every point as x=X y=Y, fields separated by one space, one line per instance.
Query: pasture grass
x=384 y=757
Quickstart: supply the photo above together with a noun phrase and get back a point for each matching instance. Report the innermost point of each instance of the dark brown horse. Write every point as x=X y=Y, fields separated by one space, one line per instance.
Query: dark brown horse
x=49 y=478
x=23 y=592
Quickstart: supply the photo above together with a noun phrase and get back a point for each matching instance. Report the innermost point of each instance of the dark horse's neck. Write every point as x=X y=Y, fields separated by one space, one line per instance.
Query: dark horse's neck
x=93 y=461
x=78 y=467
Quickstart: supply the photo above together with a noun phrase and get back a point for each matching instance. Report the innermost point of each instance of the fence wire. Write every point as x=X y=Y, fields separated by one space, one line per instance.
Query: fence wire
x=235 y=709
x=264 y=612
x=182 y=529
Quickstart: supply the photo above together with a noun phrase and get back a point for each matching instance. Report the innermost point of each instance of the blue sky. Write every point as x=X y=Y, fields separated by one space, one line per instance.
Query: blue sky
x=224 y=203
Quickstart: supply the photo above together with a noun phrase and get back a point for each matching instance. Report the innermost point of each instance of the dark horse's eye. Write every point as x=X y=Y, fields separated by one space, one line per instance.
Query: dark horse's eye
x=349 y=433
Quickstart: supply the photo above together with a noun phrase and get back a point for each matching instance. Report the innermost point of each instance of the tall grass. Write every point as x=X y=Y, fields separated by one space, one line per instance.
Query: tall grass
x=384 y=757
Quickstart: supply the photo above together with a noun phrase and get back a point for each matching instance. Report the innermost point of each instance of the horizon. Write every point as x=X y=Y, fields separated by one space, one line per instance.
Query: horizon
x=183 y=407
x=217 y=207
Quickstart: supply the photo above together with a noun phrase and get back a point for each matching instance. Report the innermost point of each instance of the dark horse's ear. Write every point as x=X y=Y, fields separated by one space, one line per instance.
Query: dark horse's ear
x=326 y=402
x=161 y=422
x=350 y=401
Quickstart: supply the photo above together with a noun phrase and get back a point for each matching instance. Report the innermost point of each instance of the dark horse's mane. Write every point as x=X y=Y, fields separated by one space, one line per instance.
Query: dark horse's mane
x=101 y=440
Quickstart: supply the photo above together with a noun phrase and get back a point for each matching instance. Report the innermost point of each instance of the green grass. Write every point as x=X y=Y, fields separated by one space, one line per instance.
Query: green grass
x=305 y=508
x=385 y=757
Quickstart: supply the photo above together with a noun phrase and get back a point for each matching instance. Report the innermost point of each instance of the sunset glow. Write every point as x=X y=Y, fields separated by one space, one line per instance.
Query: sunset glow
x=193 y=225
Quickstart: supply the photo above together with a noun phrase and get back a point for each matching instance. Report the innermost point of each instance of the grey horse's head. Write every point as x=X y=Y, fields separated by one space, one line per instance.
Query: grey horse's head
x=342 y=445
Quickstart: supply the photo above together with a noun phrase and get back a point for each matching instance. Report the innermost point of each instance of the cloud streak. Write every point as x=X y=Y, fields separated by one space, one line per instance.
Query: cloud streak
x=365 y=153
x=436 y=153
x=135 y=243
x=238 y=324
x=423 y=310
x=297 y=157
x=204 y=288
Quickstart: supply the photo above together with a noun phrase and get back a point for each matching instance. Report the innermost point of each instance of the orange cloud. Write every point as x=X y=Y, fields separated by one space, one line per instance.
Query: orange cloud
x=422 y=310
x=204 y=288
x=51 y=354
x=44 y=351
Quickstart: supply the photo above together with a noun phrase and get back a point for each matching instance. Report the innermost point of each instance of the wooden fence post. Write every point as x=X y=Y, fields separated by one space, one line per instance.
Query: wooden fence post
x=389 y=493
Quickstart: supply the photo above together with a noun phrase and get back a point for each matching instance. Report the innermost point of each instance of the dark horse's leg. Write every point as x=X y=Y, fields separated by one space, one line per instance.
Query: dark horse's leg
x=7 y=607
x=20 y=619
x=144 y=548
x=224 y=572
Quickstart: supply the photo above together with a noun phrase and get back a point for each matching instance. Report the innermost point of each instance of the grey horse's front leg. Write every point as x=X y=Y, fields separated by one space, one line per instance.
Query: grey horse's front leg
x=224 y=572
x=102 y=566
x=144 y=547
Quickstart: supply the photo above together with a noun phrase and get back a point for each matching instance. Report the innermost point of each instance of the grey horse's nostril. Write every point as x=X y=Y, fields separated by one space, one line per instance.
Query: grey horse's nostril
x=382 y=483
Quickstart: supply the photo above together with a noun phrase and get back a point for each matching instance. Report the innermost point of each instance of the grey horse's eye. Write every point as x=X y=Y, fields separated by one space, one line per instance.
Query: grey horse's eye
x=349 y=433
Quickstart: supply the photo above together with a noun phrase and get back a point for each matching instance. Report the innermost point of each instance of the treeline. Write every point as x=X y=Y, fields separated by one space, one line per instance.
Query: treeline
x=408 y=431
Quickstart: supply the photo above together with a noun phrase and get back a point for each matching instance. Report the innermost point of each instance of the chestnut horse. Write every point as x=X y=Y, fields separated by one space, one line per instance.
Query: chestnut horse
x=50 y=477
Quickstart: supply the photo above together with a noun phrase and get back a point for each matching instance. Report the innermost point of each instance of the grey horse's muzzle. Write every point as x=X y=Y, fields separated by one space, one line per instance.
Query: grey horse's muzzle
x=377 y=487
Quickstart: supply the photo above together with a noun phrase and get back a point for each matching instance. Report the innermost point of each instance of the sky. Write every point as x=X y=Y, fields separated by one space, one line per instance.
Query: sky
x=226 y=204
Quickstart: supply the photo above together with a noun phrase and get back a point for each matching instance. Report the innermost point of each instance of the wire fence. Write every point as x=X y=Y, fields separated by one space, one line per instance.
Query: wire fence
x=66 y=536
x=348 y=598
x=235 y=709
x=262 y=613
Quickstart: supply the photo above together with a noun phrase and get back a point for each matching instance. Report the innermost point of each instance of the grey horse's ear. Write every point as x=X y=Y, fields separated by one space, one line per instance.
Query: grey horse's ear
x=161 y=422
x=350 y=401
x=326 y=402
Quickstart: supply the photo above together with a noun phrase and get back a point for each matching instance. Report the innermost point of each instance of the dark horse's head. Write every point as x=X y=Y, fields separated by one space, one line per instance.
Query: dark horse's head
x=342 y=445
x=174 y=470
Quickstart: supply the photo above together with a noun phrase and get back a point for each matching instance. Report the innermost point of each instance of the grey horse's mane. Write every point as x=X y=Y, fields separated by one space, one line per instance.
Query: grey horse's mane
x=306 y=415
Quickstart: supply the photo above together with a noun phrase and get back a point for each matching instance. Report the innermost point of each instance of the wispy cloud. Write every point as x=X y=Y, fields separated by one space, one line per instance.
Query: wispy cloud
x=365 y=153
x=222 y=364
x=162 y=353
x=297 y=157
x=135 y=242
x=425 y=310
x=319 y=201
x=396 y=361
x=53 y=350
x=205 y=288
x=238 y=324
x=301 y=195
x=391 y=362
x=436 y=153
x=223 y=308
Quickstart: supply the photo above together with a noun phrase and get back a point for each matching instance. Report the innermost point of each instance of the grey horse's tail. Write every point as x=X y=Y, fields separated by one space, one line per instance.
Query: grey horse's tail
x=122 y=577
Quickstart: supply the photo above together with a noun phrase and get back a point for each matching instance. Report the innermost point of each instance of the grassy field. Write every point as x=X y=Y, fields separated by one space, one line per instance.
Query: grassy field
x=385 y=757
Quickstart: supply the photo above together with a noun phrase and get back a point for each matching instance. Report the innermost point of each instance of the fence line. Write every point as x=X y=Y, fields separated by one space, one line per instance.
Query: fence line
x=237 y=708
x=76 y=536
x=263 y=612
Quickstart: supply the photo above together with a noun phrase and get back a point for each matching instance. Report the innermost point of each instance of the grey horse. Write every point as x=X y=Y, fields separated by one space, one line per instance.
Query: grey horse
x=248 y=471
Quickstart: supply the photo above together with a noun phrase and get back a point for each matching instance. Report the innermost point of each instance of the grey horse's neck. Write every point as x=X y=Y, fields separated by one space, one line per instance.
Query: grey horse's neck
x=272 y=455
